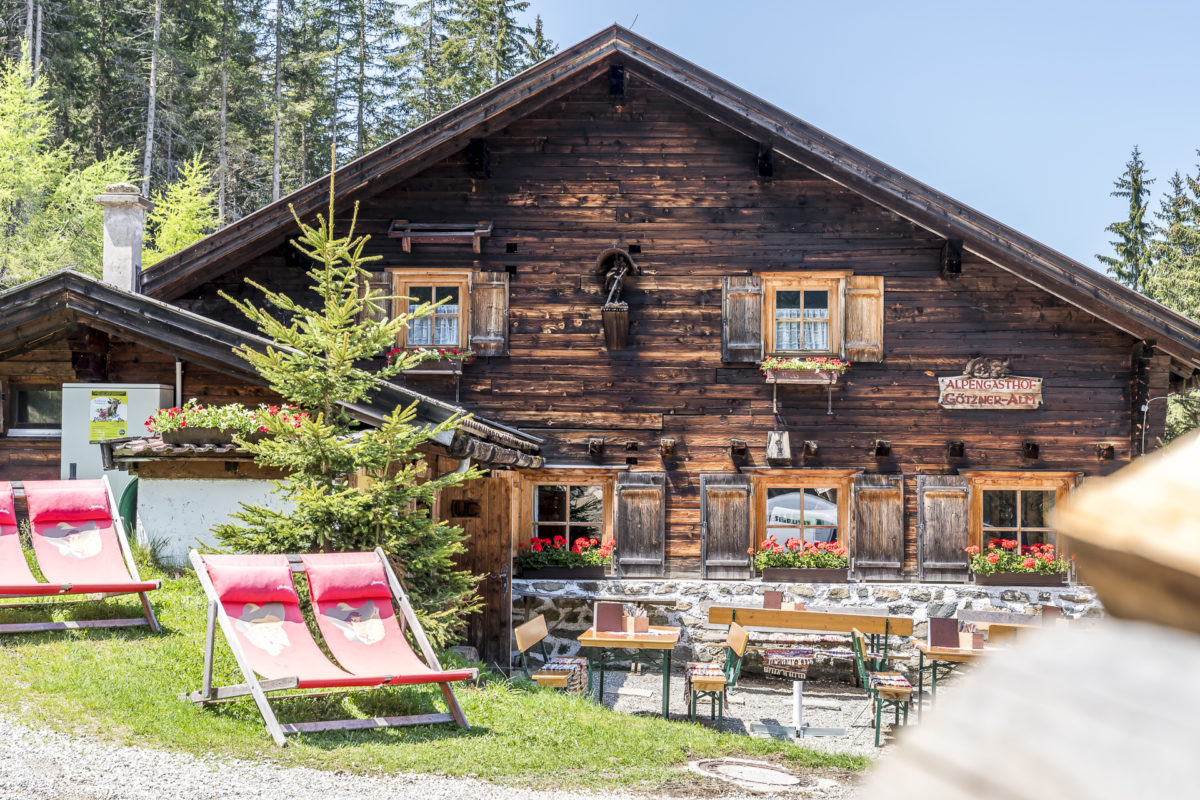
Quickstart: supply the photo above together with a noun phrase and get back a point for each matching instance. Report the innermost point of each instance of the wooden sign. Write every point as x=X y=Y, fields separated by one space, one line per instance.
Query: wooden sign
x=985 y=385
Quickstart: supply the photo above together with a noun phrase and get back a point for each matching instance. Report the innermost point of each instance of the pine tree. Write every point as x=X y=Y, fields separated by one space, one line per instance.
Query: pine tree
x=486 y=44
x=183 y=214
x=349 y=488
x=48 y=220
x=419 y=62
x=1132 y=260
x=540 y=47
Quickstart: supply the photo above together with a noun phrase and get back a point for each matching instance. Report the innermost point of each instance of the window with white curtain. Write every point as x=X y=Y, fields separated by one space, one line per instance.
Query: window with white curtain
x=446 y=326
x=801 y=313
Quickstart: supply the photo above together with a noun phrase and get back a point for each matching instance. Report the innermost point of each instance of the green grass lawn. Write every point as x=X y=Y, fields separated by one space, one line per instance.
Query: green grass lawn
x=122 y=685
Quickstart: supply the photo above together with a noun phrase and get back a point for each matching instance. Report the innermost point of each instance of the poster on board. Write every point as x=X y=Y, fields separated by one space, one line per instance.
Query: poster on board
x=108 y=414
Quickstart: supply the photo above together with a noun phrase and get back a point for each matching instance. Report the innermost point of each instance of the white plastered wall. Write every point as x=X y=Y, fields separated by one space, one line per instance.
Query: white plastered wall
x=178 y=514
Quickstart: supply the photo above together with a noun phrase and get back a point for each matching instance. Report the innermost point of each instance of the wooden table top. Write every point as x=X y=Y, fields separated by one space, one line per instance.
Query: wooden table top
x=960 y=654
x=660 y=637
x=983 y=626
x=810 y=620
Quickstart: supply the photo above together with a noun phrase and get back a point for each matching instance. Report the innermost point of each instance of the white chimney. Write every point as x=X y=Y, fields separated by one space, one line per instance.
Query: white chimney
x=124 y=211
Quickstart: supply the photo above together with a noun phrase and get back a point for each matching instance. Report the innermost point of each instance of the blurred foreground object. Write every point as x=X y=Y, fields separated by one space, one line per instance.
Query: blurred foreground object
x=1089 y=714
x=1136 y=536
x=1070 y=714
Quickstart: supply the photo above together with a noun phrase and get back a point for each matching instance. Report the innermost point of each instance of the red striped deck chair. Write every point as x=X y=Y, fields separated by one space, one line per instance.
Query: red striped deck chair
x=254 y=601
x=80 y=546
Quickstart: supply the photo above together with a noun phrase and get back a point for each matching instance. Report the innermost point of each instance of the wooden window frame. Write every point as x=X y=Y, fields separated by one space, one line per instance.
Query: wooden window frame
x=9 y=389
x=526 y=496
x=1060 y=483
x=840 y=479
x=832 y=282
x=404 y=279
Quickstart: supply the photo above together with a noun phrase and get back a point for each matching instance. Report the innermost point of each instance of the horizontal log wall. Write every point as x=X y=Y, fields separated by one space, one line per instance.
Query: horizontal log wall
x=643 y=169
x=128 y=362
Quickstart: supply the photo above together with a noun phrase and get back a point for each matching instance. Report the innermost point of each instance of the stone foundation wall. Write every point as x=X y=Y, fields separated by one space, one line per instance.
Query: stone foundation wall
x=685 y=603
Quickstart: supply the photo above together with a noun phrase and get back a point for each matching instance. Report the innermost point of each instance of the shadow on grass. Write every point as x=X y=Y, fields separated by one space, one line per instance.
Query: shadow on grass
x=390 y=702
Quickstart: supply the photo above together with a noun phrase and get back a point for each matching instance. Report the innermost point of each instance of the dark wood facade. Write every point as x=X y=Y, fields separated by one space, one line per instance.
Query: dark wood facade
x=647 y=171
x=615 y=143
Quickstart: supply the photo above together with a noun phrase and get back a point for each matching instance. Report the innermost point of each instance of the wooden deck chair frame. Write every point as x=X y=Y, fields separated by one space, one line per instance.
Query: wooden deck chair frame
x=258 y=689
x=119 y=530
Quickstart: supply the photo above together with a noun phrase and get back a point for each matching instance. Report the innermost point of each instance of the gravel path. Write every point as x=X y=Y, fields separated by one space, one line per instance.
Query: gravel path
x=42 y=764
x=759 y=699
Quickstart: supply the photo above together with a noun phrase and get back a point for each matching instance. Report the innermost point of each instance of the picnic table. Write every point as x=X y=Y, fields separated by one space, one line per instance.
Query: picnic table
x=872 y=625
x=947 y=659
x=652 y=648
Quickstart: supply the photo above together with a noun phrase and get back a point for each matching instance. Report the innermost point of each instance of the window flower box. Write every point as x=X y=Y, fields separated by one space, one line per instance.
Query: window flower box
x=585 y=573
x=796 y=561
x=1007 y=563
x=553 y=557
x=1022 y=579
x=196 y=424
x=819 y=370
x=805 y=575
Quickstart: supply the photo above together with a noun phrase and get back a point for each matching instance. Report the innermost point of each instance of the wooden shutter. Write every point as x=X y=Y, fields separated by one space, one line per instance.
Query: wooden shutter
x=741 y=318
x=879 y=527
x=725 y=526
x=943 y=505
x=5 y=387
x=641 y=524
x=382 y=285
x=864 y=318
x=489 y=313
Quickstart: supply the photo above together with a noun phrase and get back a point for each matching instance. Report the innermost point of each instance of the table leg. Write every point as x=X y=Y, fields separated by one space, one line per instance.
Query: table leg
x=666 y=684
x=920 y=682
x=933 y=683
x=603 y=653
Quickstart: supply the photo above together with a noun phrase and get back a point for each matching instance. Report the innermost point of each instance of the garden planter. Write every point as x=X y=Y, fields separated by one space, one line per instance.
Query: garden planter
x=805 y=575
x=818 y=376
x=198 y=436
x=565 y=573
x=1022 y=579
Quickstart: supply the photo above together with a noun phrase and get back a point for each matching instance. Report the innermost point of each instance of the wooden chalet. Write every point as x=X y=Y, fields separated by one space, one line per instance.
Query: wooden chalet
x=622 y=237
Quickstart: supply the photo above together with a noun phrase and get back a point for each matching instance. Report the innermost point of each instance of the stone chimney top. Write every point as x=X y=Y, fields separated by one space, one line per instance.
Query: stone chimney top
x=124 y=213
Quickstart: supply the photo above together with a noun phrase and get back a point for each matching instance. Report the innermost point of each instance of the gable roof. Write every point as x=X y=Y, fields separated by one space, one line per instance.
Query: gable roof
x=40 y=310
x=826 y=155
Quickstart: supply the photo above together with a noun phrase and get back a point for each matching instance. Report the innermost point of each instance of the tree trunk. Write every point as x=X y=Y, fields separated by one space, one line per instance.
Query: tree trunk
x=337 y=76
x=37 y=44
x=100 y=140
x=427 y=112
x=362 y=70
x=28 y=27
x=149 y=154
x=278 y=64
x=222 y=148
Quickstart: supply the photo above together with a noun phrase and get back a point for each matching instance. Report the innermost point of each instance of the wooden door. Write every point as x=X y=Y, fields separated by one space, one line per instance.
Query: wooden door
x=725 y=526
x=879 y=527
x=943 y=504
x=640 y=524
x=481 y=508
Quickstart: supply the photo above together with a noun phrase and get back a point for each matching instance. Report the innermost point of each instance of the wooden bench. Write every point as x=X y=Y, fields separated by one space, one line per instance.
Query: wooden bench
x=569 y=669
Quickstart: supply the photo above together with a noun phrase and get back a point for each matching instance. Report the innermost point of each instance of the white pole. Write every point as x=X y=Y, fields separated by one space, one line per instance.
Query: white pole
x=797 y=705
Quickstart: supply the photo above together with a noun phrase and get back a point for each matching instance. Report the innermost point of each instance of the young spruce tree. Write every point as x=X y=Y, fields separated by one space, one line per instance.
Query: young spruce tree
x=349 y=487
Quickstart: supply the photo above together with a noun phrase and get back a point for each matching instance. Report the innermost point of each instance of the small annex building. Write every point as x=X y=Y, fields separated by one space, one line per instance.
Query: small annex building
x=623 y=237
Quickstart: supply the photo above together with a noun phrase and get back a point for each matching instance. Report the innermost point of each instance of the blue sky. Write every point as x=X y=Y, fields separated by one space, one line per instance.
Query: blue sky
x=1025 y=111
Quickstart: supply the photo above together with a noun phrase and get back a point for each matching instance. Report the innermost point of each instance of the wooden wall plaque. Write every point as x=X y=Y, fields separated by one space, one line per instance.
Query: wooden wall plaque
x=986 y=385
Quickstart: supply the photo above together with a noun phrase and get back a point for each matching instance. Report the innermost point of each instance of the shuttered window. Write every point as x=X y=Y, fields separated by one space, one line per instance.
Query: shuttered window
x=447 y=325
x=1011 y=504
x=741 y=319
x=725 y=526
x=864 y=318
x=380 y=309
x=811 y=505
x=802 y=314
x=943 y=505
x=879 y=526
x=640 y=524
x=489 y=314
